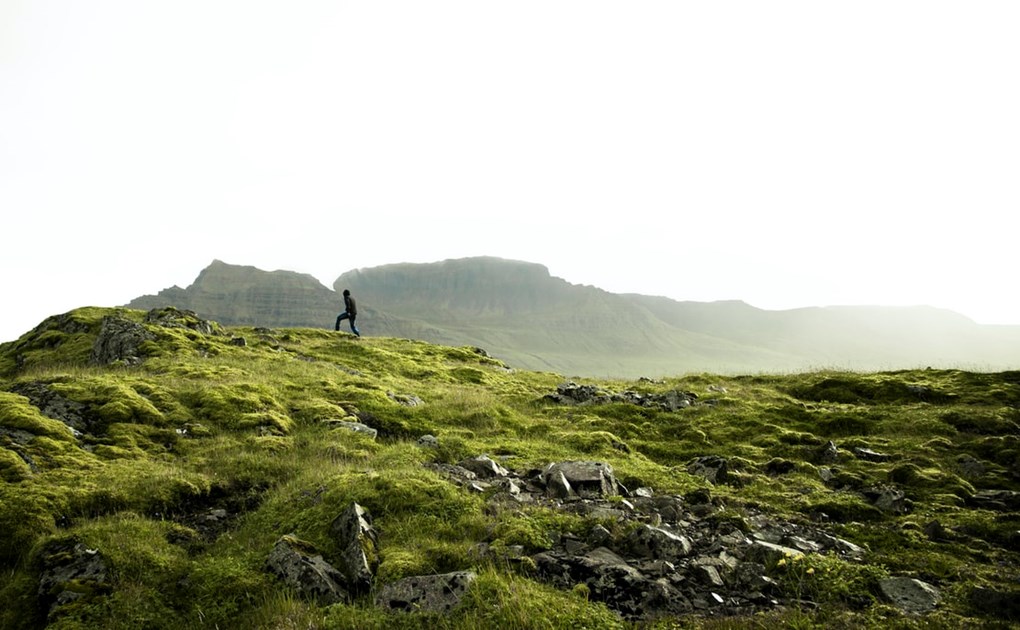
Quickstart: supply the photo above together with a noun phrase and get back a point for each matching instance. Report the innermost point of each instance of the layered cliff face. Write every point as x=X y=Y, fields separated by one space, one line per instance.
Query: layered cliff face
x=237 y=295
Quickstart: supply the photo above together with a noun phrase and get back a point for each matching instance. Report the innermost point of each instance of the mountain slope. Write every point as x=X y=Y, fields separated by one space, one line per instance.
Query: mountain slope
x=520 y=313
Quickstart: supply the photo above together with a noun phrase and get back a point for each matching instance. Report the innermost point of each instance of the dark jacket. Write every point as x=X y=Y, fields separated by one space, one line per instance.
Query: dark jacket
x=350 y=306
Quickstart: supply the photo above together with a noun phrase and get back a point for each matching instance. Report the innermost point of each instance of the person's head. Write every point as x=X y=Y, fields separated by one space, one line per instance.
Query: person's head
x=346 y=292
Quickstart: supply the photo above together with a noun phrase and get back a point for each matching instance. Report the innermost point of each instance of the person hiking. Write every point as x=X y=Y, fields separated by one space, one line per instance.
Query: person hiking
x=350 y=313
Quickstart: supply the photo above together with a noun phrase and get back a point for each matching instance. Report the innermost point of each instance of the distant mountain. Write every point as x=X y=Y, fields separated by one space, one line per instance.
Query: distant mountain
x=236 y=295
x=518 y=312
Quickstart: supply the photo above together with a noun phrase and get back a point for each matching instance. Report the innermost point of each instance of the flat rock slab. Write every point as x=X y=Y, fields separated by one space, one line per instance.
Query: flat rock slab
x=426 y=593
x=909 y=594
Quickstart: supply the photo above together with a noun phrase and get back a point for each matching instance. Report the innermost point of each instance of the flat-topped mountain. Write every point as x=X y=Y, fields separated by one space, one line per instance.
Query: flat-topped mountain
x=520 y=313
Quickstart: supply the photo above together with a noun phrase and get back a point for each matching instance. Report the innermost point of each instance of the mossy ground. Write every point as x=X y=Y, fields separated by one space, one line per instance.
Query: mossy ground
x=204 y=422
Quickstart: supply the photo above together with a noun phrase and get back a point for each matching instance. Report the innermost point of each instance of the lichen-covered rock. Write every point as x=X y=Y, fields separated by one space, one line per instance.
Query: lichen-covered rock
x=426 y=593
x=303 y=569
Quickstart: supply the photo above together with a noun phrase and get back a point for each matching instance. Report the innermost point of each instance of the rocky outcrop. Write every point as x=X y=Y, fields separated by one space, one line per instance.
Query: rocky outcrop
x=670 y=554
x=119 y=341
x=57 y=407
x=70 y=572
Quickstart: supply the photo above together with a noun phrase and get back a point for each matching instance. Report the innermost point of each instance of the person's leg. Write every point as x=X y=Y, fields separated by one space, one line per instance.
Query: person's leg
x=353 y=327
x=339 y=318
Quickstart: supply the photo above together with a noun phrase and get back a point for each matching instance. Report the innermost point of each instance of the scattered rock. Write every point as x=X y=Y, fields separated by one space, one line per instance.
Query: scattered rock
x=484 y=467
x=406 y=400
x=828 y=454
x=889 y=499
x=711 y=467
x=869 y=455
x=909 y=594
x=356 y=427
x=999 y=500
x=426 y=593
x=428 y=441
x=571 y=393
x=298 y=564
x=658 y=544
x=969 y=466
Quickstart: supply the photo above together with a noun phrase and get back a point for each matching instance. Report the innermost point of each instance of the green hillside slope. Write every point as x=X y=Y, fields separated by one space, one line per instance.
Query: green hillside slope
x=159 y=470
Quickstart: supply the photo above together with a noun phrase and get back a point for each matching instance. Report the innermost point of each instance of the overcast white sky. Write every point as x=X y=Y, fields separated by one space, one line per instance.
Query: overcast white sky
x=784 y=153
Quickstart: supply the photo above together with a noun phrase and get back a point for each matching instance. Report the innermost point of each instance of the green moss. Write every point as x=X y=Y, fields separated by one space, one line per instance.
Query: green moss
x=26 y=514
x=202 y=425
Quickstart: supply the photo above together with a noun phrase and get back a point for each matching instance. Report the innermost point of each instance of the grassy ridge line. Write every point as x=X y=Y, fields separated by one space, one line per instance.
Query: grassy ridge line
x=203 y=423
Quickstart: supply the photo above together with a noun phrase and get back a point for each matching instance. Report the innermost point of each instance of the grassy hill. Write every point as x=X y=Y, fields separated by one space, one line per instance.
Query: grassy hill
x=152 y=462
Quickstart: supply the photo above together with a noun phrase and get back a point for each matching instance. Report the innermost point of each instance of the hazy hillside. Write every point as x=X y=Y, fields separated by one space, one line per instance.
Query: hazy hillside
x=162 y=471
x=521 y=314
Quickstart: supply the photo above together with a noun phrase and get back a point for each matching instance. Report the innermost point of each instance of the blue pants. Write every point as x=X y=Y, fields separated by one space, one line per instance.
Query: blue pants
x=346 y=315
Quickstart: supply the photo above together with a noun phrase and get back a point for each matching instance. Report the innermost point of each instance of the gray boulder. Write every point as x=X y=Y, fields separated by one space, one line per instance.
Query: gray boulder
x=300 y=567
x=658 y=544
x=356 y=427
x=359 y=547
x=426 y=593
x=586 y=479
x=909 y=594
x=484 y=467
x=711 y=467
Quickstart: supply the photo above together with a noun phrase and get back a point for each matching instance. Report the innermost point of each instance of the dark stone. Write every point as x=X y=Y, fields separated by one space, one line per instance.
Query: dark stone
x=70 y=572
x=426 y=593
x=779 y=466
x=119 y=340
x=828 y=454
x=301 y=568
x=1001 y=604
x=711 y=467
x=358 y=543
